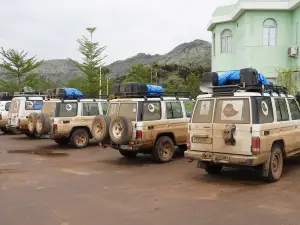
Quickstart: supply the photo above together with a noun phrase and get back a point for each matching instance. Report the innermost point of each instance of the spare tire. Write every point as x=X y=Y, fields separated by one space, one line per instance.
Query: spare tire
x=32 y=117
x=100 y=128
x=43 y=124
x=120 y=130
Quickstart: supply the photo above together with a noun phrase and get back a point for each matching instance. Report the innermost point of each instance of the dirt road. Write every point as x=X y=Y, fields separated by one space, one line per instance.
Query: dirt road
x=44 y=184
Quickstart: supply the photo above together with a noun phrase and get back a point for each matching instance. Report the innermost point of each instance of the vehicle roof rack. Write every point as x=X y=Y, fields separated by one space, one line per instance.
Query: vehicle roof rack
x=146 y=95
x=228 y=90
x=29 y=94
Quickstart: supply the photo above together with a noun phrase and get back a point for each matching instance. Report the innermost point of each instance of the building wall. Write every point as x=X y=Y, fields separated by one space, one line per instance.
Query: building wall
x=248 y=49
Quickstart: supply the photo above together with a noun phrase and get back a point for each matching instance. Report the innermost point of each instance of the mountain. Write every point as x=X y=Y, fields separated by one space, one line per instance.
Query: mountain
x=197 y=52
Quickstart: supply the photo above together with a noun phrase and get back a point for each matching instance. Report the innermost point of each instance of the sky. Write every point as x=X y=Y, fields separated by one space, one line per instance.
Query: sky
x=49 y=28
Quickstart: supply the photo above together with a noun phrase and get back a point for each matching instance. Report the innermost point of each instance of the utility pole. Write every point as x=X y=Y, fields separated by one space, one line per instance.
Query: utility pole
x=100 y=91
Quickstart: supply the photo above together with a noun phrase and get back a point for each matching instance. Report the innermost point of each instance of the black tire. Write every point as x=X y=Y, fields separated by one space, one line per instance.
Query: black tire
x=80 y=138
x=32 y=117
x=43 y=124
x=120 y=130
x=5 y=130
x=164 y=149
x=62 y=141
x=213 y=168
x=30 y=135
x=128 y=154
x=275 y=164
x=100 y=128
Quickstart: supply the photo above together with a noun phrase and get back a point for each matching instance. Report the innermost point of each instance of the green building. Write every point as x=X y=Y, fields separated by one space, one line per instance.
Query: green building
x=263 y=34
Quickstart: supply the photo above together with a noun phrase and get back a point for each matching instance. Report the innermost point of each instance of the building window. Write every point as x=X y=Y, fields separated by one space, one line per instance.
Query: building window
x=269 y=32
x=226 y=41
x=214 y=44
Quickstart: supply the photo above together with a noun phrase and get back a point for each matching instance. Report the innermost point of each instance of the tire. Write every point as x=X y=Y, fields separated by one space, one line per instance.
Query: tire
x=80 y=138
x=100 y=128
x=213 y=168
x=62 y=141
x=43 y=124
x=5 y=130
x=32 y=136
x=275 y=164
x=128 y=154
x=32 y=117
x=164 y=149
x=120 y=130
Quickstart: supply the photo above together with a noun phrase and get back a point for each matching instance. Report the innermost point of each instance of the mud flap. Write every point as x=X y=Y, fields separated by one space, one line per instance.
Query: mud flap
x=201 y=164
x=266 y=167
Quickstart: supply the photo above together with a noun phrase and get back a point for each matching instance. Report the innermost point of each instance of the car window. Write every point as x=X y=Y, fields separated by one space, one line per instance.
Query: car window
x=14 y=106
x=90 y=109
x=104 y=107
x=188 y=108
x=113 y=109
x=128 y=110
x=284 y=114
x=66 y=109
x=232 y=111
x=34 y=105
x=174 y=110
x=203 y=111
x=295 y=113
x=49 y=108
x=7 y=105
x=151 y=111
x=265 y=110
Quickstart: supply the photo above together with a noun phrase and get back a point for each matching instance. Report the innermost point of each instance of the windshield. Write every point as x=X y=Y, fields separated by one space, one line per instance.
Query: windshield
x=66 y=109
x=34 y=105
x=49 y=108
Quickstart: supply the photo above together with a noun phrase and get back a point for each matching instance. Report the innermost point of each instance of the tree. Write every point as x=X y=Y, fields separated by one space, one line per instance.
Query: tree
x=18 y=69
x=193 y=84
x=91 y=65
x=288 y=78
x=139 y=73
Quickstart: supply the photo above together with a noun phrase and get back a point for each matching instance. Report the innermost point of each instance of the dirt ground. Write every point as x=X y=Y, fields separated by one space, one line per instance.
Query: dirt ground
x=44 y=184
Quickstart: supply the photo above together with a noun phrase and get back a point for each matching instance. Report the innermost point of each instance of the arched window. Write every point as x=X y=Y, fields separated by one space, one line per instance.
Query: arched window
x=269 y=32
x=226 y=41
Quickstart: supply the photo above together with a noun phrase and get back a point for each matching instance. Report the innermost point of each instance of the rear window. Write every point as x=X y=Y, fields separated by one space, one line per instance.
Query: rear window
x=49 y=108
x=14 y=106
x=265 y=110
x=66 y=109
x=34 y=105
x=128 y=110
x=232 y=111
x=104 y=108
x=203 y=111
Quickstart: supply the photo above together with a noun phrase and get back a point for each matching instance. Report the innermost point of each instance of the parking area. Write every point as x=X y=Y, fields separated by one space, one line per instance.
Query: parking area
x=43 y=183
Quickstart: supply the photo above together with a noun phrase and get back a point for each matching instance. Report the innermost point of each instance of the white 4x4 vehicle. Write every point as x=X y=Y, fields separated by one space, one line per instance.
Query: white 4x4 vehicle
x=19 y=110
x=253 y=127
x=4 y=109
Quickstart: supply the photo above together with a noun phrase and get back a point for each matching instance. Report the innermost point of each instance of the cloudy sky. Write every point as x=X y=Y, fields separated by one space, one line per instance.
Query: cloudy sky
x=49 y=28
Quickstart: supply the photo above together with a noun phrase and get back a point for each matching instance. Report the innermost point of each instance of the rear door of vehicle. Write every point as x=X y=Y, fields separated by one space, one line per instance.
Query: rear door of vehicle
x=232 y=112
x=13 y=114
x=201 y=132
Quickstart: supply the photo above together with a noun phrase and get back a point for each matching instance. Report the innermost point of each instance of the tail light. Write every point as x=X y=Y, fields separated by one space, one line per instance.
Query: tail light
x=54 y=128
x=188 y=142
x=255 y=146
x=138 y=136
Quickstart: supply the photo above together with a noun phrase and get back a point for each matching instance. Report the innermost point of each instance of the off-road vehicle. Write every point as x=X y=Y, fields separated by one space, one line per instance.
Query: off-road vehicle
x=67 y=120
x=245 y=125
x=143 y=121
x=5 y=100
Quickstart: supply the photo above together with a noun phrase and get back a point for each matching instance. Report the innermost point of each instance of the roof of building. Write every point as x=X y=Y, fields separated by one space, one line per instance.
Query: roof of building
x=232 y=12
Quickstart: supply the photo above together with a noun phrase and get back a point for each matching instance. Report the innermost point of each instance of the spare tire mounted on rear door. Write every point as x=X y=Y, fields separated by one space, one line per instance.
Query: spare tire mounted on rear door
x=120 y=130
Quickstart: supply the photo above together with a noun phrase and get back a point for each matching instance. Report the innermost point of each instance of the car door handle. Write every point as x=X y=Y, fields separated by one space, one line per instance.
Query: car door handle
x=207 y=127
x=150 y=127
x=266 y=132
x=201 y=136
x=66 y=121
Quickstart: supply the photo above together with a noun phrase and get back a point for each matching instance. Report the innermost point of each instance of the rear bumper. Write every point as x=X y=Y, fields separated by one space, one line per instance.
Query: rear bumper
x=219 y=158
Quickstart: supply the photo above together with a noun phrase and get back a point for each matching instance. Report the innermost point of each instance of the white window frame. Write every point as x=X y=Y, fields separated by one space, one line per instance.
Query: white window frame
x=226 y=41
x=269 y=32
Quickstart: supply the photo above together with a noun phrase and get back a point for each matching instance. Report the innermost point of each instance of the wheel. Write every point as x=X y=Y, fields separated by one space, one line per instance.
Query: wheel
x=5 y=130
x=213 y=168
x=275 y=164
x=163 y=149
x=80 y=138
x=100 y=128
x=62 y=141
x=128 y=154
x=30 y=135
x=32 y=117
x=120 y=130
x=43 y=124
